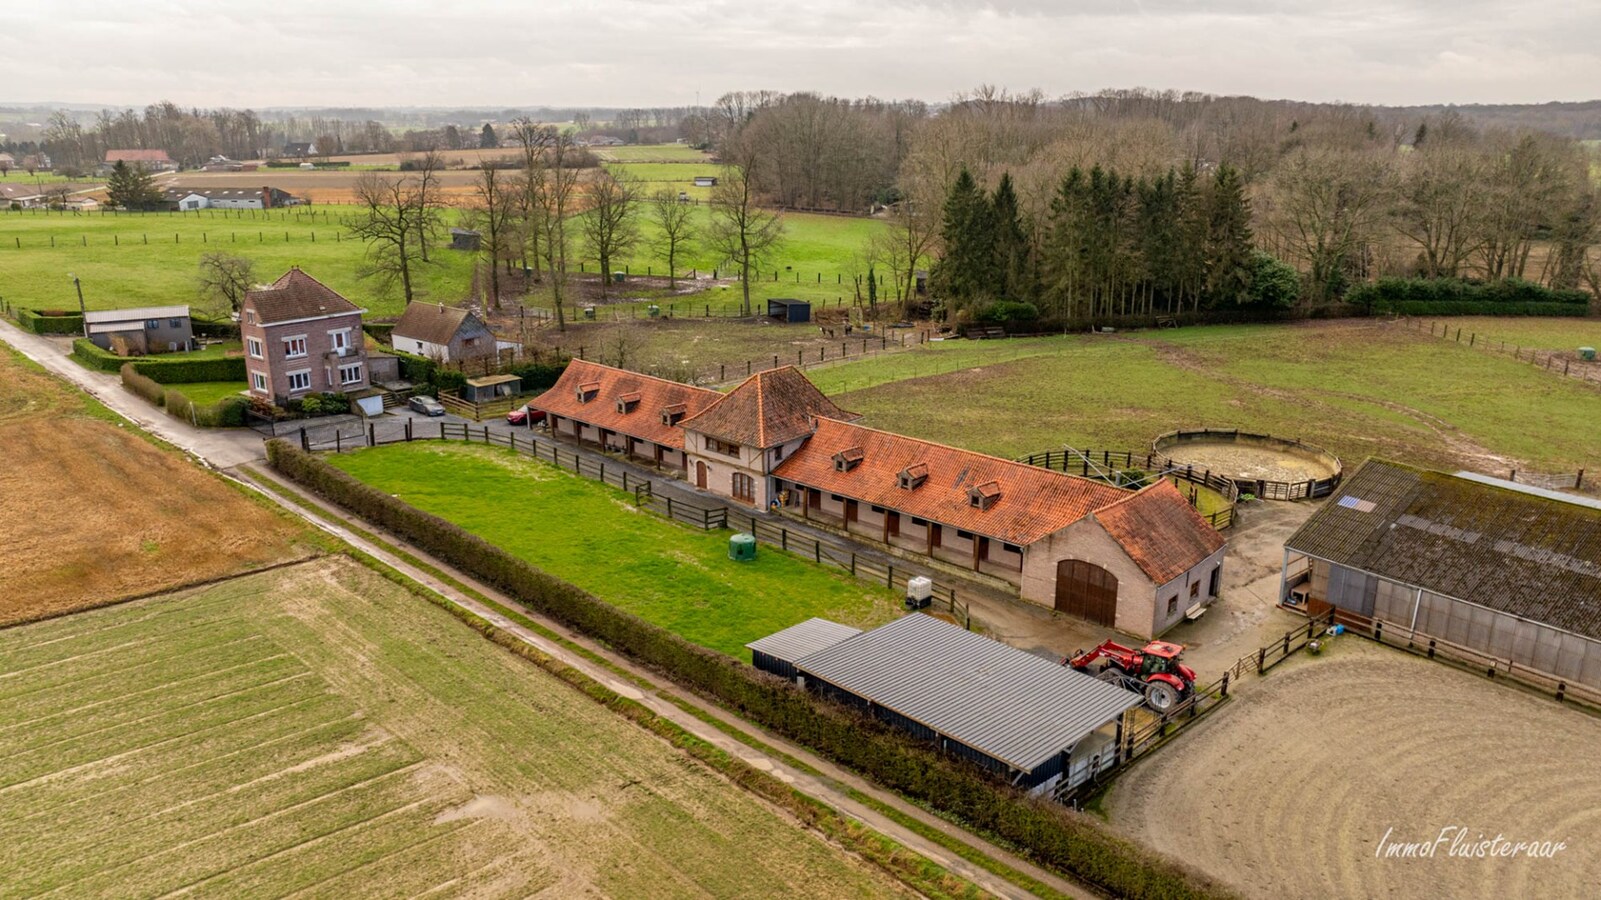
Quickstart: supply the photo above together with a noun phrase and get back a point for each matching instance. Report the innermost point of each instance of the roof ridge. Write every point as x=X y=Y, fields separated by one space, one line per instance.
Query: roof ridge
x=583 y=363
x=1011 y=463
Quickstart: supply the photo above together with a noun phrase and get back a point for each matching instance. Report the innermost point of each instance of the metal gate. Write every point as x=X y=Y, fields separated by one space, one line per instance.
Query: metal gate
x=1086 y=590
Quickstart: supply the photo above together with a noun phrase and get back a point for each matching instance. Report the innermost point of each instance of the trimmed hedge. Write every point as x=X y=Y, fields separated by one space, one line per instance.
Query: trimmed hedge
x=50 y=322
x=381 y=331
x=1455 y=296
x=179 y=370
x=217 y=328
x=539 y=376
x=1484 y=308
x=84 y=351
x=1055 y=836
x=145 y=387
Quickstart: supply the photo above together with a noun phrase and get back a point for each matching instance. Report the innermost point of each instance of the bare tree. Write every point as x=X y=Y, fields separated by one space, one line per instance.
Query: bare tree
x=534 y=139
x=1328 y=207
x=741 y=230
x=493 y=214
x=610 y=225
x=430 y=199
x=555 y=197
x=1441 y=191
x=387 y=222
x=224 y=279
x=675 y=230
x=621 y=347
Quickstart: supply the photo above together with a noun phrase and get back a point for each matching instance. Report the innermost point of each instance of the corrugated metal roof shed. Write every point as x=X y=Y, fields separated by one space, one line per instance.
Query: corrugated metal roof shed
x=797 y=641
x=138 y=314
x=1535 y=555
x=1011 y=705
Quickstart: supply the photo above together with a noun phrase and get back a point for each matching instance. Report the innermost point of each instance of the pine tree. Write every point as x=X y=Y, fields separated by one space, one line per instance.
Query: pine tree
x=1013 y=263
x=1228 y=239
x=1189 y=258
x=487 y=139
x=1062 y=267
x=965 y=273
x=131 y=187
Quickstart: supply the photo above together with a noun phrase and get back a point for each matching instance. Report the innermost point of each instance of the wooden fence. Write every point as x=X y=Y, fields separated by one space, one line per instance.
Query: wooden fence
x=624 y=476
x=1549 y=360
x=1263 y=489
x=1082 y=462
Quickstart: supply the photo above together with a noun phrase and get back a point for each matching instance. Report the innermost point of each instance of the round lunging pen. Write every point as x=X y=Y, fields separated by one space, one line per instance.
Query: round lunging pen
x=1272 y=468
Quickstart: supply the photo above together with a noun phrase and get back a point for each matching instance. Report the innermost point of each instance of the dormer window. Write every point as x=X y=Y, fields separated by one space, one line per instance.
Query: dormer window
x=672 y=415
x=587 y=391
x=912 y=477
x=627 y=402
x=984 y=496
x=847 y=459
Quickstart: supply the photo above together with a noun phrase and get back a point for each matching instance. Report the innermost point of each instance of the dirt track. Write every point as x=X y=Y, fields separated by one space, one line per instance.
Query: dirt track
x=1290 y=792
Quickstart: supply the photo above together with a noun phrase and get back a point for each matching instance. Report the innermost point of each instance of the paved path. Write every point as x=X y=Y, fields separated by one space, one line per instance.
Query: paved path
x=229 y=449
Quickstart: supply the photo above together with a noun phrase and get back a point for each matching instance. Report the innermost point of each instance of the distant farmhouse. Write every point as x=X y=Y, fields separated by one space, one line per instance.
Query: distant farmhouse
x=300 y=150
x=21 y=195
x=150 y=160
x=301 y=337
x=442 y=333
x=1140 y=561
x=184 y=198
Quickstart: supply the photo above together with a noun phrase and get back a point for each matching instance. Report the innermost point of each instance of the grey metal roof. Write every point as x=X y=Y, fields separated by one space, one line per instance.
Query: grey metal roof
x=1531 y=554
x=809 y=636
x=1014 y=706
x=137 y=314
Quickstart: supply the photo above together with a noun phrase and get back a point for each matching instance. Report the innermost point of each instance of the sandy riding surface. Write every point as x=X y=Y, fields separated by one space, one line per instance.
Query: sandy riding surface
x=1290 y=792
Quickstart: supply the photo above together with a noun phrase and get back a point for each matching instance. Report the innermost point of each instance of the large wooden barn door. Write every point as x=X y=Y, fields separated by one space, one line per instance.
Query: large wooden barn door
x=1086 y=590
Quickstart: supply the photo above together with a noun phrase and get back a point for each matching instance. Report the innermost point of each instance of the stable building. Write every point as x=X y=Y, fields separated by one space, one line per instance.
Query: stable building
x=1140 y=561
x=734 y=444
x=1037 y=724
x=1502 y=569
x=627 y=412
x=185 y=198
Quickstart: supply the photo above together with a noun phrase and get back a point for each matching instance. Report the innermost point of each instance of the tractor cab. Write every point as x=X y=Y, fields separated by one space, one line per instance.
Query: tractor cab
x=1162 y=658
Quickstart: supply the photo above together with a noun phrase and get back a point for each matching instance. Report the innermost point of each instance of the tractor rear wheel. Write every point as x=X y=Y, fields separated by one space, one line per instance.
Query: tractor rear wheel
x=1161 y=696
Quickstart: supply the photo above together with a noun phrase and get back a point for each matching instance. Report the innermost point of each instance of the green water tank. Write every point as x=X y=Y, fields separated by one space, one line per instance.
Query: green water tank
x=1587 y=354
x=742 y=547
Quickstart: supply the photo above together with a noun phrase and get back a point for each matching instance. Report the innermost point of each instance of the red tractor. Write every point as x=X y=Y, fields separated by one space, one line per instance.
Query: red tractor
x=1154 y=671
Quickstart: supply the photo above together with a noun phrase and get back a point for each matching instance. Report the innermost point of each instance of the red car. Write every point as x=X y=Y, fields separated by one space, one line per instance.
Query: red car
x=522 y=415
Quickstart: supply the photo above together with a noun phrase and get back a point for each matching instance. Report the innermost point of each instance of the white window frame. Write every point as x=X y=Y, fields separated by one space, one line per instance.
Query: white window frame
x=255 y=348
x=258 y=382
x=250 y=316
x=351 y=368
x=340 y=338
x=289 y=352
x=293 y=375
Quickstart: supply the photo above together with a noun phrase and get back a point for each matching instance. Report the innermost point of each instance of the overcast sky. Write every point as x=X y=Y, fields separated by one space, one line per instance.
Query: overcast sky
x=660 y=53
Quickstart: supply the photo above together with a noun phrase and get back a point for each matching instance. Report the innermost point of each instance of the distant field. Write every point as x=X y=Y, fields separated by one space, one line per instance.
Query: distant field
x=652 y=153
x=1358 y=388
x=93 y=513
x=318 y=729
x=118 y=269
x=590 y=534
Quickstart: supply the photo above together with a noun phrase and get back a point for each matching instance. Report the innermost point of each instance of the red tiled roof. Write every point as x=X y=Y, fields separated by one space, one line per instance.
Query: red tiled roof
x=644 y=418
x=1160 y=531
x=1033 y=502
x=296 y=295
x=136 y=156
x=767 y=409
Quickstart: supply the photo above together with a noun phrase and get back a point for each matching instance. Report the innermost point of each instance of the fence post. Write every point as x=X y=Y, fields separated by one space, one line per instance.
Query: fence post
x=1261 y=658
x=304 y=443
x=669 y=506
x=337 y=435
x=1225 y=688
x=372 y=435
x=889 y=578
x=817 y=551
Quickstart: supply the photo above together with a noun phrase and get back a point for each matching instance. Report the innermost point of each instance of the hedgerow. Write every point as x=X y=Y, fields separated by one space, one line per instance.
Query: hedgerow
x=141 y=385
x=50 y=321
x=1054 y=835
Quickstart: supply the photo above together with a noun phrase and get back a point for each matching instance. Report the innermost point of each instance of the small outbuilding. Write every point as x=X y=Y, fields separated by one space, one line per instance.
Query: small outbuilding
x=465 y=239
x=491 y=387
x=789 y=311
x=705 y=181
x=444 y=333
x=1034 y=722
x=146 y=329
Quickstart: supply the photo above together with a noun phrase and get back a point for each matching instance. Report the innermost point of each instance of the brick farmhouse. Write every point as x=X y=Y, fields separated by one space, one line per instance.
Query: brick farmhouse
x=301 y=337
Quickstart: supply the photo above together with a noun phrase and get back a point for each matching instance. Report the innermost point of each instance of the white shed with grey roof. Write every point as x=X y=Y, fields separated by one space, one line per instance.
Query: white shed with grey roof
x=1026 y=718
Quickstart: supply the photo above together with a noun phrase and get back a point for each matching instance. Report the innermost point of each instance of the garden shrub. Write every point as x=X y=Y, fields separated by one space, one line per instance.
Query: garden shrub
x=172 y=369
x=1050 y=833
x=85 y=352
x=1003 y=311
x=141 y=385
x=50 y=321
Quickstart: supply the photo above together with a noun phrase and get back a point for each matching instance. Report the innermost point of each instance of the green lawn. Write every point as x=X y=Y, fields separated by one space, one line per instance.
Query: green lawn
x=652 y=153
x=1357 y=388
x=591 y=535
x=1524 y=332
x=206 y=393
x=320 y=730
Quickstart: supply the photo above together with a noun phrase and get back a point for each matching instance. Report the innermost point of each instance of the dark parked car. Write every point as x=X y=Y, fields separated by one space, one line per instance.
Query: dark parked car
x=522 y=415
x=428 y=406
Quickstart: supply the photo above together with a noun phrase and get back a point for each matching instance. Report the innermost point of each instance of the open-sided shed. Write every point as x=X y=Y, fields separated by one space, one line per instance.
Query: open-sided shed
x=1026 y=718
x=777 y=652
x=788 y=310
